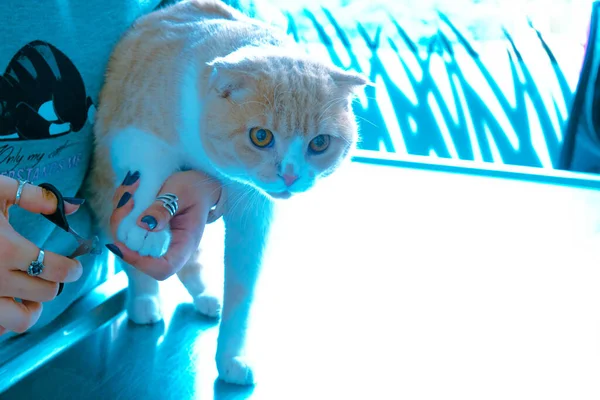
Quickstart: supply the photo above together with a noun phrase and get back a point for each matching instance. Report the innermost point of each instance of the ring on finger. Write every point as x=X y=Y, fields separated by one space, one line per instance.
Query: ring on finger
x=36 y=266
x=170 y=202
x=22 y=184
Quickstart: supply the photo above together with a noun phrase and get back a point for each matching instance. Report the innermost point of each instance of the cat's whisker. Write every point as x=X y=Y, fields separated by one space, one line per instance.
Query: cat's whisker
x=348 y=142
x=253 y=102
x=203 y=181
x=277 y=94
x=366 y=120
x=221 y=187
x=330 y=101
x=206 y=179
x=256 y=201
x=248 y=205
x=240 y=198
x=268 y=101
x=245 y=200
x=330 y=104
x=322 y=121
x=333 y=100
x=264 y=114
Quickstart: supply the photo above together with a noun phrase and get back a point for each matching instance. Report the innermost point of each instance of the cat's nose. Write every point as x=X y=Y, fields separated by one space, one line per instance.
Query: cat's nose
x=289 y=179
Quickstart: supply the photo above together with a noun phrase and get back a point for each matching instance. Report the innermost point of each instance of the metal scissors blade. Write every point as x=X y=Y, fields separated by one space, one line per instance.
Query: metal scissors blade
x=59 y=218
x=86 y=246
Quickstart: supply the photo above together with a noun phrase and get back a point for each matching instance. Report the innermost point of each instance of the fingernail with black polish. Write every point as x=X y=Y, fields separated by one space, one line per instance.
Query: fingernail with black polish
x=61 y=286
x=74 y=200
x=126 y=178
x=124 y=199
x=150 y=221
x=115 y=250
x=130 y=179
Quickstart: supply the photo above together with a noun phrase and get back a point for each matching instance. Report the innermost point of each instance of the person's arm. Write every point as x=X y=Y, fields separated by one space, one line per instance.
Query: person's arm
x=197 y=194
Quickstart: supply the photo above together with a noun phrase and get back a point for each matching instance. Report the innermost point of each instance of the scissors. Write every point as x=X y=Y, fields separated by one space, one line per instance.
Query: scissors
x=59 y=218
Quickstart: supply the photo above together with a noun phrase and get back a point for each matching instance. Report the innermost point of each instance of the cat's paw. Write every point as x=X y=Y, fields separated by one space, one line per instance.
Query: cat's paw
x=136 y=238
x=144 y=310
x=208 y=305
x=235 y=370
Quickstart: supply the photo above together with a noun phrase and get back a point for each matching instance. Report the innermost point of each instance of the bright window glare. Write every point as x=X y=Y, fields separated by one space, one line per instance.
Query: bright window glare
x=482 y=18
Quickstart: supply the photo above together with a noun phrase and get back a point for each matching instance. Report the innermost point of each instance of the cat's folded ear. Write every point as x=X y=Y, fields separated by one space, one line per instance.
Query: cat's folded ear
x=231 y=77
x=348 y=81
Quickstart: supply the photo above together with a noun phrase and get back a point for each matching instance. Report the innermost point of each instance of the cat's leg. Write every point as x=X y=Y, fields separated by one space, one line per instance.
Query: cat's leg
x=143 y=302
x=134 y=150
x=192 y=277
x=247 y=227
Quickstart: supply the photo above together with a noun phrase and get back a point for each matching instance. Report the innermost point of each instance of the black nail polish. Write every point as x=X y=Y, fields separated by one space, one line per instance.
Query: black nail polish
x=115 y=250
x=61 y=286
x=126 y=178
x=130 y=179
x=150 y=221
x=124 y=199
x=74 y=200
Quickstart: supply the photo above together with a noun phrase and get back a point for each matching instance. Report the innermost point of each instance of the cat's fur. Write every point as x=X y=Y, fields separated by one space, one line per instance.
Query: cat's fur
x=183 y=88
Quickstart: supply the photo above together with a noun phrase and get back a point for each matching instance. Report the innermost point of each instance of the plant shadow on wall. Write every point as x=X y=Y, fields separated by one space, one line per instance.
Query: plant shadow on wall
x=460 y=123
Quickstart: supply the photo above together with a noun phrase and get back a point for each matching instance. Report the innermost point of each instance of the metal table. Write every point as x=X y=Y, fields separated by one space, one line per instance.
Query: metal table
x=382 y=283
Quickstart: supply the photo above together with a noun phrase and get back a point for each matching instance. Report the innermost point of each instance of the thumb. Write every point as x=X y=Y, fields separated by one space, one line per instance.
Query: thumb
x=163 y=209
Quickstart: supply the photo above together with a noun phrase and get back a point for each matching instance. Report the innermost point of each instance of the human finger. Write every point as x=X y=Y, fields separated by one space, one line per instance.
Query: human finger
x=126 y=189
x=34 y=198
x=56 y=268
x=180 y=192
x=186 y=230
x=18 y=317
x=19 y=285
x=123 y=200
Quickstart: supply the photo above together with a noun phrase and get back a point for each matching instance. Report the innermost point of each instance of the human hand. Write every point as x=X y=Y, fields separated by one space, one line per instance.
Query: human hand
x=16 y=253
x=197 y=194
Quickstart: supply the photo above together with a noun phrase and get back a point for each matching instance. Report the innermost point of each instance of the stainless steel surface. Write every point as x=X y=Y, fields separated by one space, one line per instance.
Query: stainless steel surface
x=120 y=360
x=383 y=283
x=23 y=355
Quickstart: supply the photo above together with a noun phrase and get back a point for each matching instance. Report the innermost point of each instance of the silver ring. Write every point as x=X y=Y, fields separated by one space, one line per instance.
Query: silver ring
x=170 y=203
x=22 y=184
x=36 y=267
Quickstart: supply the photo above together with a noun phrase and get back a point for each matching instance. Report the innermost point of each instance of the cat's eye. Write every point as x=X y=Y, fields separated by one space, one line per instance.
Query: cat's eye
x=319 y=144
x=261 y=137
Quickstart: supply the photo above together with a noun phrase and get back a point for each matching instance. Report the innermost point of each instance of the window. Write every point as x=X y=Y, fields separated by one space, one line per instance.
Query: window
x=475 y=81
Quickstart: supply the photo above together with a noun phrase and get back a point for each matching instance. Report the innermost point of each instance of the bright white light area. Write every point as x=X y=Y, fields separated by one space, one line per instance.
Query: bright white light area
x=387 y=283
x=391 y=283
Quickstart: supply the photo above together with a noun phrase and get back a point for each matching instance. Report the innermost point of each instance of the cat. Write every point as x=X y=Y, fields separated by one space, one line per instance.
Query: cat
x=199 y=84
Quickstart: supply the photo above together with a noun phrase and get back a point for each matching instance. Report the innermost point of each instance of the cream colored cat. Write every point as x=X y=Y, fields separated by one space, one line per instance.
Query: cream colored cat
x=200 y=85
